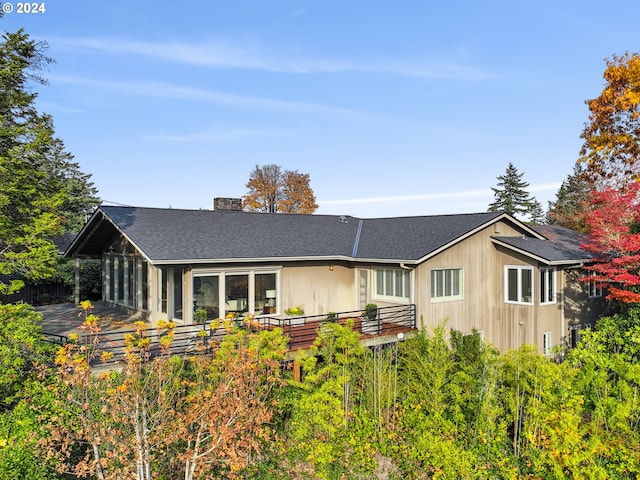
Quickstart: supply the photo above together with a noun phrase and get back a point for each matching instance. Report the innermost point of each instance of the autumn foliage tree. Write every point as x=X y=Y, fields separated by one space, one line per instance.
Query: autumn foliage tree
x=197 y=415
x=272 y=190
x=611 y=148
x=613 y=220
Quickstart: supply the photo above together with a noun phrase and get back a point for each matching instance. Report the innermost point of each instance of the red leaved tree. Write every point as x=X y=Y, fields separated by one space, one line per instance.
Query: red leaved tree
x=614 y=221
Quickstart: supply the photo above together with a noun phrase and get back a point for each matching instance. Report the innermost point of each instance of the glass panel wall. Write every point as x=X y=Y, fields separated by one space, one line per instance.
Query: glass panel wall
x=236 y=290
x=265 y=298
x=177 y=293
x=206 y=295
x=237 y=293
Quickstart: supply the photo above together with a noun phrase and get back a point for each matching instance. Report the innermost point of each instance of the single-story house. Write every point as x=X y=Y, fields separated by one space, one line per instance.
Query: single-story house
x=512 y=282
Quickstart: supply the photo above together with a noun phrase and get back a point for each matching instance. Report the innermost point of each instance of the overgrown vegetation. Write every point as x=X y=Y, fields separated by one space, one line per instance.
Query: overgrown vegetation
x=438 y=405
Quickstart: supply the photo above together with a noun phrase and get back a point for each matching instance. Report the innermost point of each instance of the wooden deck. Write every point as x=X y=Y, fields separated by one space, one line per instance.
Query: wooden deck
x=303 y=336
x=301 y=331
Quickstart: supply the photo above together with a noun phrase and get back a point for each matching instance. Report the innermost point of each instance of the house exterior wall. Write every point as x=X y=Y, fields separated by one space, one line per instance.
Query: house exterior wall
x=579 y=308
x=320 y=288
x=483 y=306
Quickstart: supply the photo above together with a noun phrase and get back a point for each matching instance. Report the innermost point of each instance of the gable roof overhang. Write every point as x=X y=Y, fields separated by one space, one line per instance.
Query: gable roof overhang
x=96 y=236
x=543 y=251
x=470 y=233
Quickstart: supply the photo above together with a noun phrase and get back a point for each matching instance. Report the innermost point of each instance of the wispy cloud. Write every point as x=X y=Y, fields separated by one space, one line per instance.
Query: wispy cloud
x=407 y=198
x=178 y=92
x=226 y=54
x=467 y=194
x=219 y=134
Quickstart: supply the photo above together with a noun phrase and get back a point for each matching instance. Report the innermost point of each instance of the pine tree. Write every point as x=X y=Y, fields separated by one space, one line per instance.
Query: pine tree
x=42 y=192
x=569 y=207
x=511 y=195
x=537 y=215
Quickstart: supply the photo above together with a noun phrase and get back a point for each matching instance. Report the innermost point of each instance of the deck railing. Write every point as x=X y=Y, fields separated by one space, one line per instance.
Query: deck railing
x=197 y=338
x=302 y=330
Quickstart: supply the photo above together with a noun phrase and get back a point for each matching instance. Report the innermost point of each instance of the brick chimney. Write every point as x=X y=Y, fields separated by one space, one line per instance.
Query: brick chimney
x=234 y=204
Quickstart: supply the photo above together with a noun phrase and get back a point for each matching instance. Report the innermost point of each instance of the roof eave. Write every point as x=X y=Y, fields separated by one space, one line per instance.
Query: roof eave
x=472 y=232
x=254 y=260
x=94 y=223
x=546 y=261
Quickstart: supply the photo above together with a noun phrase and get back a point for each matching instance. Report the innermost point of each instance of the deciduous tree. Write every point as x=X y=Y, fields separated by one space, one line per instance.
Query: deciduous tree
x=21 y=350
x=204 y=416
x=613 y=221
x=272 y=190
x=611 y=147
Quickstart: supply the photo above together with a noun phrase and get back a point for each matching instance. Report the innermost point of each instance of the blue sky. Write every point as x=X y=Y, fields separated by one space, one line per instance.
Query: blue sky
x=392 y=108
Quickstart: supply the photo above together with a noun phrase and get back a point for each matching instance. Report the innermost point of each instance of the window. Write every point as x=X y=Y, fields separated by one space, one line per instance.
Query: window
x=576 y=333
x=519 y=285
x=446 y=284
x=546 y=343
x=547 y=285
x=235 y=292
x=265 y=294
x=171 y=292
x=126 y=281
x=392 y=284
x=595 y=290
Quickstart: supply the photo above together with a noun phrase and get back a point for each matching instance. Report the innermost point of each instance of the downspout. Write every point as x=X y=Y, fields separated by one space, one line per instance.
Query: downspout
x=412 y=282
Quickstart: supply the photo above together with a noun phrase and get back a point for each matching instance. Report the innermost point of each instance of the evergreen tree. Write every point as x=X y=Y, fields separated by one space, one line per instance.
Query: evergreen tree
x=569 y=206
x=537 y=215
x=42 y=192
x=511 y=195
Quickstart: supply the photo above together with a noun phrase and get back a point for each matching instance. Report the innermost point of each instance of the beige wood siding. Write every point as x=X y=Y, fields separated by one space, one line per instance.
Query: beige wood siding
x=319 y=289
x=483 y=306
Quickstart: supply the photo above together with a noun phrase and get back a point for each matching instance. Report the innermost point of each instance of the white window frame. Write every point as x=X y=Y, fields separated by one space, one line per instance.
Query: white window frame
x=391 y=294
x=251 y=273
x=547 y=275
x=520 y=298
x=479 y=333
x=593 y=290
x=438 y=275
x=546 y=343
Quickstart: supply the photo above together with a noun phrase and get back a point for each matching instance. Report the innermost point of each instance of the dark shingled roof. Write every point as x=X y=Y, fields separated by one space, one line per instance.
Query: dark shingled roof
x=562 y=245
x=166 y=235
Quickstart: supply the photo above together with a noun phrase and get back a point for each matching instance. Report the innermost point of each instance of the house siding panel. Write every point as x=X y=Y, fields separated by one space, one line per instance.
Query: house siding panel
x=483 y=307
x=318 y=289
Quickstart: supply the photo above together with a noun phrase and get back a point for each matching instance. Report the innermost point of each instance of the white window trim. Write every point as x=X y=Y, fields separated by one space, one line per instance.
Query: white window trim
x=546 y=343
x=480 y=334
x=251 y=273
x=447 y=298
x=549 y=272
x=391 y=298
x=594 y=290
x=520 y=268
